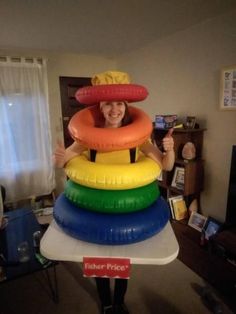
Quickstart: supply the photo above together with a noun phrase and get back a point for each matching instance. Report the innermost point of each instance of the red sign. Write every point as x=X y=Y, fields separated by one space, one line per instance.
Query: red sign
x=106 y=267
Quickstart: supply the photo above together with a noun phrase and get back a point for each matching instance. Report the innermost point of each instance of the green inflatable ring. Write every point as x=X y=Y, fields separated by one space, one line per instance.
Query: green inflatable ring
x=110 y=201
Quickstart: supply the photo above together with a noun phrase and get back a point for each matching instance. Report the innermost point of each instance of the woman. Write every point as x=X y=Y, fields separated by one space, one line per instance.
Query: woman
x=116 y=114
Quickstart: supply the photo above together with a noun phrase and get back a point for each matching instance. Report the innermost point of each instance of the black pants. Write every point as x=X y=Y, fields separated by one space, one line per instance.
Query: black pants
x=104 y=292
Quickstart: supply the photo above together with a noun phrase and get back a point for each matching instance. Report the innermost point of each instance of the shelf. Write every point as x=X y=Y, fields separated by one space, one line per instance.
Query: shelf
x=194 y=169
x=180 y=130
x=175 y=190
x=193 y=178
x=184 y=162
x=162 y=185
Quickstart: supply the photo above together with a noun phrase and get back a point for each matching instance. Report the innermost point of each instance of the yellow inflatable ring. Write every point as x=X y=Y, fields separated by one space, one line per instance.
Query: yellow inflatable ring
x=82 y=128
x=112 y=176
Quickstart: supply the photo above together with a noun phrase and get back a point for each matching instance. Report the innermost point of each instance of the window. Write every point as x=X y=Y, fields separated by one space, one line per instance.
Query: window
x=25 y=142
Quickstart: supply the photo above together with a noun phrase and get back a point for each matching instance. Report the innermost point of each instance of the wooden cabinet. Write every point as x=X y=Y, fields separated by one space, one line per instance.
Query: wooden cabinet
x=210 y=261
x=193 y=169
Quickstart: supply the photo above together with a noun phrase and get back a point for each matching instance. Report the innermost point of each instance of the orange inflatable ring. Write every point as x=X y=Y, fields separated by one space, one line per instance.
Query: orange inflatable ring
x=91 y=95
x=82 y=128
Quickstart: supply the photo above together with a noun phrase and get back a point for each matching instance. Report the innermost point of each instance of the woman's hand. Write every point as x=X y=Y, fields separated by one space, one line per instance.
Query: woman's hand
x=168 y=141
x=59 y=156
x=169 y=155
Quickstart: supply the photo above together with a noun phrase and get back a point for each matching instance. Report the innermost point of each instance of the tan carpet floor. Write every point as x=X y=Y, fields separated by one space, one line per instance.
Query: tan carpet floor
x=170 y=289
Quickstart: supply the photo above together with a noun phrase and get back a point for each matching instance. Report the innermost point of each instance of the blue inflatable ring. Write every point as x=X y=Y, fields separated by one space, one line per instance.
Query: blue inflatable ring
x=106 y=229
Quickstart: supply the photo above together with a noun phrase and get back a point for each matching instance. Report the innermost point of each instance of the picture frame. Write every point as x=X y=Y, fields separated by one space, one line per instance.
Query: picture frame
x=165 y=122
x=190 y=122
x=178 y=207
x=211 y=227
x=197 y=221
x=228 y=88
x=178 y=178
x=170 y=199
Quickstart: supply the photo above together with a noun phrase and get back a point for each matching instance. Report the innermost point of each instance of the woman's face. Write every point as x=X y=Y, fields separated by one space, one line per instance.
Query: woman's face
x=113 y=113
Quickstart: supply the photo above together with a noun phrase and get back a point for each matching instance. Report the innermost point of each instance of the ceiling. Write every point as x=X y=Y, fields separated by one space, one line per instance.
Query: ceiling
x=100 y=27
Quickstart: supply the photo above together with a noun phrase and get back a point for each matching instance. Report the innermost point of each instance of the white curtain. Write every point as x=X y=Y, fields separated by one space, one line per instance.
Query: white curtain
x=25 y=142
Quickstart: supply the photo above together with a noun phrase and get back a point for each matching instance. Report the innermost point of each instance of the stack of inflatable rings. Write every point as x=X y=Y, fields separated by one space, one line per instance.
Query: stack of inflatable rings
x=109 y=203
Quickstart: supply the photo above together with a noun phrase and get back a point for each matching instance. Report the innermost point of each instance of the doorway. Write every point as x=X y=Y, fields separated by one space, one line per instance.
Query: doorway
x=69 y=105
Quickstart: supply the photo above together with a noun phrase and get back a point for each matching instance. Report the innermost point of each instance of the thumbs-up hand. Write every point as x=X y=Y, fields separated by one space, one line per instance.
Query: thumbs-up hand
x=168 y=141
x=59 y=155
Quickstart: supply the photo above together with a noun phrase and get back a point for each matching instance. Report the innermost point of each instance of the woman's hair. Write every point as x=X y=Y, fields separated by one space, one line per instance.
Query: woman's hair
x=127 y=117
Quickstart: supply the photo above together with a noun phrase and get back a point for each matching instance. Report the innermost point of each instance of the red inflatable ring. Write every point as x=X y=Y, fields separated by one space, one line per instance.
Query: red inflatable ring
x=91 y=95
x=82 y=128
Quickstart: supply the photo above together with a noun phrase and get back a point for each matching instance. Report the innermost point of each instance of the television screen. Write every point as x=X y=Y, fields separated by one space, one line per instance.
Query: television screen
x=231 y=201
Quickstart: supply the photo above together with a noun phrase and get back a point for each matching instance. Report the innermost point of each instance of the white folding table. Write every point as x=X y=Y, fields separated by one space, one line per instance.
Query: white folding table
x=158 y=250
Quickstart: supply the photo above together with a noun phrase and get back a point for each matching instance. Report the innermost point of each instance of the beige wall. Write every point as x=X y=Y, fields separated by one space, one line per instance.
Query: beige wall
x=182 y=74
